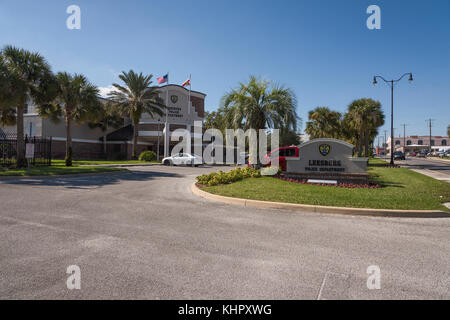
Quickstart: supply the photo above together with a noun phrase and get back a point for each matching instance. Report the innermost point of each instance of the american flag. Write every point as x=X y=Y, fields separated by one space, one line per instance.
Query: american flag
x=163 y=79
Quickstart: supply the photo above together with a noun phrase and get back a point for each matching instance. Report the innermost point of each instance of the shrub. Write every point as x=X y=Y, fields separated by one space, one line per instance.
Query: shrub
x=147 y=156
x=220 y=177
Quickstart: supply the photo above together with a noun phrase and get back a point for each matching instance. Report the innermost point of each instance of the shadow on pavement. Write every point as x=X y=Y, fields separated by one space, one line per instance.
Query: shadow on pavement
x=93 y=181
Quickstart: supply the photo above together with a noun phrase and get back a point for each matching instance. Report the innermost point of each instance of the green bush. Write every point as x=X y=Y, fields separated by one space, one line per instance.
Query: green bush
x=147 y=156
x=216 y=178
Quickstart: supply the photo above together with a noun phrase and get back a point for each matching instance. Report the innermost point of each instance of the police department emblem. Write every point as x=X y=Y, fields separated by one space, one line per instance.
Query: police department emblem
x=324 y=149
x=174 y=99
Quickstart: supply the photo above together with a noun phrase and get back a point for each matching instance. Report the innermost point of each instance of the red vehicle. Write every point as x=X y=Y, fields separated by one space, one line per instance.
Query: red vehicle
x=282 y=154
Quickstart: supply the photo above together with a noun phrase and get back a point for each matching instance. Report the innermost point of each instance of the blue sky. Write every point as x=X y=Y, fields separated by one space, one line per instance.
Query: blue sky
x=321 y=49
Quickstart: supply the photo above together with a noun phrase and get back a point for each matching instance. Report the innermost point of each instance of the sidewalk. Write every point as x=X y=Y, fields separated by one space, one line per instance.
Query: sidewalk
x=435 y=174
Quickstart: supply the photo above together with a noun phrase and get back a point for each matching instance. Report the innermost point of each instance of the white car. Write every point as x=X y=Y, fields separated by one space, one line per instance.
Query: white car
x=181 y=159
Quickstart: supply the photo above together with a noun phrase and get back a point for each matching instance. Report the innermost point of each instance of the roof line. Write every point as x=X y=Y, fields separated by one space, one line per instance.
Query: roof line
x=177 y=85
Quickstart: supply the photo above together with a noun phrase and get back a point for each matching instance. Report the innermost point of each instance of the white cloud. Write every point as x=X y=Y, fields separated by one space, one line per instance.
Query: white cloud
x=105 y=90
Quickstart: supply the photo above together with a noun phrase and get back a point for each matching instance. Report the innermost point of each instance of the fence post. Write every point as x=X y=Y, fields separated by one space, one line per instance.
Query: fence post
x=50 y=152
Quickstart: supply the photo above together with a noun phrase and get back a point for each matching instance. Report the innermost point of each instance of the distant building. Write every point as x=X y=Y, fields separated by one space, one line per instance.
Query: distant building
x=89 y=143
x=418 y=143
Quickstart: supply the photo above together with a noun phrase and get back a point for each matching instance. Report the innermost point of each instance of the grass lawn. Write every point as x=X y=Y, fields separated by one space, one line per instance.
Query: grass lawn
x=55 y=170
x=401 y=189
x=58 y=168
x=98 y=162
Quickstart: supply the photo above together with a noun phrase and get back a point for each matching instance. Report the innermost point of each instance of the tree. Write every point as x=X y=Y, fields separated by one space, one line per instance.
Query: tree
x=107 y=117
x=30 y=74
x=364 y=116
x=289 y=138
x=214 y=120
x=260 y=105
x=135 y=98
x=324 y=123
x=77 y=101
x=8 y=97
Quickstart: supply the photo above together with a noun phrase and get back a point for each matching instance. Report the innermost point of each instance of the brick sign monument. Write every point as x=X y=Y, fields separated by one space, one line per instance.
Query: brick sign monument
x=328 y=160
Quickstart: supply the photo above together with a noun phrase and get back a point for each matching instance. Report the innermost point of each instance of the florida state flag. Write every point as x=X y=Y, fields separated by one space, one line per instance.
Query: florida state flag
x=186 y=83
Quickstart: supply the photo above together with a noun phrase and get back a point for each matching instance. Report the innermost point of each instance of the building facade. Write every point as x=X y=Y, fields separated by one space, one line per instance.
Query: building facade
x=184 y=107
x=154 y=133
x=418 y=143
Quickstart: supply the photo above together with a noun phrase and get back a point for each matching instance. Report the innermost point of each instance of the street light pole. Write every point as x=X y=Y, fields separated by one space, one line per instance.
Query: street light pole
x=391 y=84
x=392 y=121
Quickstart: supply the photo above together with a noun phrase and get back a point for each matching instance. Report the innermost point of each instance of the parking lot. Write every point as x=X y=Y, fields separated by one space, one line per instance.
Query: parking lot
x=144 y=235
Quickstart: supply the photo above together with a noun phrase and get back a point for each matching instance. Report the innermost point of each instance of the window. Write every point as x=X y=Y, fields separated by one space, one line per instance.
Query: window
x=432 y=142
x=408 y=143
x=290 y=152
x=444 y=142
x=25 y=109
x=397 y=142
x=420 y=142
x=283 y=153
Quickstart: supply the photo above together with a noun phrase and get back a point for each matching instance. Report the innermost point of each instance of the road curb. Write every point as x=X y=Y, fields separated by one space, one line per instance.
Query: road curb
x=122 y=165
x=6 y=178
x=322 y=209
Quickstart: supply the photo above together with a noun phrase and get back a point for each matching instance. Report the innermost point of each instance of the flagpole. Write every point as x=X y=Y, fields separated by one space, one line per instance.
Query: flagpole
x=166 y=124
x=189 y=106
x=167 y=96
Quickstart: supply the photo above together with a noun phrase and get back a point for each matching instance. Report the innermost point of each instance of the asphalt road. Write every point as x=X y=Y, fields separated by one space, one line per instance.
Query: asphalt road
x=143 y=235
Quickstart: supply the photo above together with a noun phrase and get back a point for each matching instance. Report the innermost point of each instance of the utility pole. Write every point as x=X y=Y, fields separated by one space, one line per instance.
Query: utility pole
x=378 y=145
x=430 y=124
x=384 y=145
x=404 y=137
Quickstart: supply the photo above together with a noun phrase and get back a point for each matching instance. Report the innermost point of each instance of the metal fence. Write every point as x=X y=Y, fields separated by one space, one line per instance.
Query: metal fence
x=8 y=150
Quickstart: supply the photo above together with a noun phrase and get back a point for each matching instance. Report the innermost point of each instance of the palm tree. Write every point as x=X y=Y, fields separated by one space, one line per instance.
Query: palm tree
x=135 y=98
x=365 y=116
x=8 y=97
x=323 y=123
x=77 y=101
x=31 y=74
x=260 y=105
